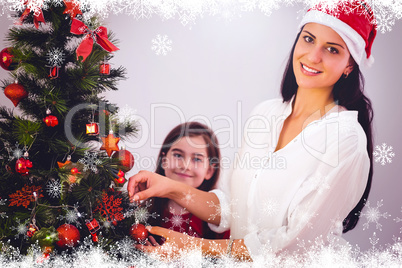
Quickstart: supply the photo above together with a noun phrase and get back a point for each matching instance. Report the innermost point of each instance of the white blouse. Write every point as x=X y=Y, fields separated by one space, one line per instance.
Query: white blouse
x=282 y=200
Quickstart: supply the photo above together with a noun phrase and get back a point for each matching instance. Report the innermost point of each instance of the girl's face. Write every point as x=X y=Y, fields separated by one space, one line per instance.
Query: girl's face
x=187 y=161
x=320 y=57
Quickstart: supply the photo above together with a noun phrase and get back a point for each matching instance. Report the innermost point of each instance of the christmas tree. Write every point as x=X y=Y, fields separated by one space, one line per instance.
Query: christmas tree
x=56 y=189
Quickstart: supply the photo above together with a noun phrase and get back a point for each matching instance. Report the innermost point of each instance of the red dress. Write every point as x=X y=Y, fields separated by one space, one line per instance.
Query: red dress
x=191 y=225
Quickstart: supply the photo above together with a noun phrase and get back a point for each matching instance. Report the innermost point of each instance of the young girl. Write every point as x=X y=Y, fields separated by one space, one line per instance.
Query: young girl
x=189 y=154
x=325 y=139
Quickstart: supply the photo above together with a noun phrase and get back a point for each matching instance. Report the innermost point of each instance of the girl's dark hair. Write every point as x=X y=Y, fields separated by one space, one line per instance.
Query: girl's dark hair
x=188 y=129
x=347 y=92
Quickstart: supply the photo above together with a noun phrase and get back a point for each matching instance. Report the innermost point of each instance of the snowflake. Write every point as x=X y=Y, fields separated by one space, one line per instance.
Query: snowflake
x=54 y=188
x=383 y=154
x=141 y=213
x=161 y=45
x=177 y=220
x=125 y=247
x=15 y=153
x=222 y=211
x=3 y=202
x=90 y=161
x=126 y=114
x=25 y=196
x=397 y=220
x=109 y=207
x=189 y=198
x=21 y=228
x=3 y=215
x=384 y=21
x=72 y=216
x=372 y=214
x=270 y=207
x=55 y=57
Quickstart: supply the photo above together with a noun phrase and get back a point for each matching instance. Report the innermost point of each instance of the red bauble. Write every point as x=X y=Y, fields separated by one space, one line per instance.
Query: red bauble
x=92 y=129
x=15 y=92
x=51 y=121
x=22 y=166
x=104 y=68
x=68 y=236
x=126 y=159
x=6 y=61
x=139 y=232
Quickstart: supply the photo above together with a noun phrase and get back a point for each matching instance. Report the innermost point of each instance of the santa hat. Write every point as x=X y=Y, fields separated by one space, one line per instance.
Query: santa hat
x=353 y=21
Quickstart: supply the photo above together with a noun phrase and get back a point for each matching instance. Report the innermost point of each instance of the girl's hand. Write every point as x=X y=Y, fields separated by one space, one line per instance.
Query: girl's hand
x=175 y=243
x=146 y=184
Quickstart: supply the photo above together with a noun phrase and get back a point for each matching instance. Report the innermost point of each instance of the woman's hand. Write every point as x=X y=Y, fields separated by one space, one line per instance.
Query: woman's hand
x=146 y=184
x=174 y=246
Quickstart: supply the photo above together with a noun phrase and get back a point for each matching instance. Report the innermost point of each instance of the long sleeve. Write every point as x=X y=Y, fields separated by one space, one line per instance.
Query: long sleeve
x=324 y=198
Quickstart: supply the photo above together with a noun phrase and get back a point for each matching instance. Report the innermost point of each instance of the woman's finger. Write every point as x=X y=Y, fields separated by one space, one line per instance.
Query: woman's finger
x=152 y=241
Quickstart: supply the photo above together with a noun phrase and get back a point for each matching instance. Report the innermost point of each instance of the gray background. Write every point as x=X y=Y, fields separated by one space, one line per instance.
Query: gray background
x=220 y=69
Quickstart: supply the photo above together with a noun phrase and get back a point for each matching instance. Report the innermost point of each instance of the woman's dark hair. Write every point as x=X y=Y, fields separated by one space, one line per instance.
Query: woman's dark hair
x=347 y=92
x=188 y=129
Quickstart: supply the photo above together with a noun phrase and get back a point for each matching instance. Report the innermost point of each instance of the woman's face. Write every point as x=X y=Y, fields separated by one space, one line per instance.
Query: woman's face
x=187 y=161
x=320 y=57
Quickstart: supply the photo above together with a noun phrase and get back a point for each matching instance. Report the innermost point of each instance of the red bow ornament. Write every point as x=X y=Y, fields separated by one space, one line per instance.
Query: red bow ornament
x=38 y=14
x=100 y=36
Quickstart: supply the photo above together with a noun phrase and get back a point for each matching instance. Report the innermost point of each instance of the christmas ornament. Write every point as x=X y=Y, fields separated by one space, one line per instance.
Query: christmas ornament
x=54 y=72
x=25 y=196
x=15 y=92
x=125 y=159
x=120 y=178
x=104 y=68
x=110 y=144
x=139 y=233
x=93 y=227
x=75 y=171
x=60 y=164
x=31 y=230
x=38 y=15
x=109 y=207
x=72 y=8
x=22 y=166
x=68 y=236
x=92 y=129
x=100 y=36
x=51 y=121
x=7 y=60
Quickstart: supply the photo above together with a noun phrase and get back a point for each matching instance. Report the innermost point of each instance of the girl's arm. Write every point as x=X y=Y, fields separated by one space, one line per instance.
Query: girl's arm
x=147 y=184
x=174 y=247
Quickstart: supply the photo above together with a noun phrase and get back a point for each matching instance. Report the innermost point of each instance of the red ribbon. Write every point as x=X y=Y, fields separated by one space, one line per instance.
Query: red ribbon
x=100 y=36
x=37 y=17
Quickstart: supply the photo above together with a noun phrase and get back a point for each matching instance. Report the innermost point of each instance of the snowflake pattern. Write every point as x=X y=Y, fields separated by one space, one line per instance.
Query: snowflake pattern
x=15 y=153
x=54 y=188
x=21 y=228
x=373 y=215
x=125 y=247
x=224 y=210
x=270 y=207
x=188 y=197
x=25 y=196
x=90 y=161
x=3 y=202
x=72 y=216
x=384 y=21
x=55 y=57
x=161 y=45
x=141 y=213
x=109 y=207
x=383 y=154
x=177 y=220
x=397 y=220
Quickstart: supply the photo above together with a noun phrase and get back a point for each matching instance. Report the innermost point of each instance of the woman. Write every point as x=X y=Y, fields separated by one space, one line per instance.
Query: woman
x=321 y=132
